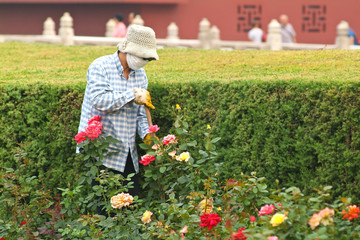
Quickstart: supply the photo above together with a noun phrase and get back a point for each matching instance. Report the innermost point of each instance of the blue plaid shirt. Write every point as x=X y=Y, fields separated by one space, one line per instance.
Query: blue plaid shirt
x=109 y=94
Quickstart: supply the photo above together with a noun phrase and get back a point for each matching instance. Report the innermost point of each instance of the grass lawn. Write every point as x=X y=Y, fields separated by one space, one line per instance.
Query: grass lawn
x=55 y=64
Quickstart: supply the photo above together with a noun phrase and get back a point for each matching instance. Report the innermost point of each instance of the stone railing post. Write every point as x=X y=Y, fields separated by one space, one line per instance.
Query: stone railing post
x=138 y=20
x=66 y=30
x=110 y=26
x=173 y=31
x=274 y=40
x=342 y=40
x=172 y=35
x=215 y=37
x=49 y=27
x=204 y=33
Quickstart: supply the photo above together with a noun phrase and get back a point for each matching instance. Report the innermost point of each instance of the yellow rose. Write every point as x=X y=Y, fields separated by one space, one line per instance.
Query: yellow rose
x=208 y=126
x=277 y=219
x=185 y=156
x=178 y=106
x=146 y=218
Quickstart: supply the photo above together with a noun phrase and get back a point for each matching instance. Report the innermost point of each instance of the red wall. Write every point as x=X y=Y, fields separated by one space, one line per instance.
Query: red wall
x=314 y=21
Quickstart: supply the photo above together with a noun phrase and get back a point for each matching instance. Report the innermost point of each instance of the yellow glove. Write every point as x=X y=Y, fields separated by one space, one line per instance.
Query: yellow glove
x=142 y=97
x=147 y=138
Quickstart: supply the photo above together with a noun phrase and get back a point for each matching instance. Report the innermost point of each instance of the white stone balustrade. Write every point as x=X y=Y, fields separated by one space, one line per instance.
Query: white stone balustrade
x=110 y=26
x=204 y=33
x=208 y=37
x=138 y=20
x=342 y=41
x=66 y=30
x=273 y=40
x=49 y=27
x=214 y=37
x=172 y=31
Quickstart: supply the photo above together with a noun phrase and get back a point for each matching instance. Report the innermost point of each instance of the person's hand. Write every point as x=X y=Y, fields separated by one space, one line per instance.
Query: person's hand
x=147 y=138
x=142 y=97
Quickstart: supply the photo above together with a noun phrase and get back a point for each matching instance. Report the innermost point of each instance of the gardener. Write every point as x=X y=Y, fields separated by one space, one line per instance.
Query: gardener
x=116 y=90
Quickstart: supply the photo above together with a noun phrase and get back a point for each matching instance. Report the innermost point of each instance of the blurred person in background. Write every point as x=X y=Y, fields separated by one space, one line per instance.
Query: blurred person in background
x=131 y=17
x=287 y=31
x=120 y=28
x=352 y=37
x=256 y=33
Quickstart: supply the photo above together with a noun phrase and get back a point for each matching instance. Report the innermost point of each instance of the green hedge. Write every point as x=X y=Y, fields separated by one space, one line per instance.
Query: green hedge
x=302 y=133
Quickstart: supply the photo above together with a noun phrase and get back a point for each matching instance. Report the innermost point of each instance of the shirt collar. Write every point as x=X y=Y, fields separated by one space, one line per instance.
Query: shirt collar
x=117 y=62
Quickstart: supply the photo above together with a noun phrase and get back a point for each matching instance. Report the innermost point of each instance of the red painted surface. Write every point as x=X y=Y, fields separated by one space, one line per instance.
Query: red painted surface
x=314 y=21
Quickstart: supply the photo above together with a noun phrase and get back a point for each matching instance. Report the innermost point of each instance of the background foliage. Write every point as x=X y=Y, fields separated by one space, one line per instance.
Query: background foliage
x=291 y=116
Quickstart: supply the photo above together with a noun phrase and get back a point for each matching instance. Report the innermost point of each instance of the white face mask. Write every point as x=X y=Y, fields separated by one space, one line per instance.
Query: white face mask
x=135 y=62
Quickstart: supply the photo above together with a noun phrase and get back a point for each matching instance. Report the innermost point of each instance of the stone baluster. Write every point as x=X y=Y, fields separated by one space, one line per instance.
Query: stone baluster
x=49 y=27
x=173 y=35
x=204 y=34
x=342 y=40
x=215 y=37
x=110 y=26
x=138 y=20
x=173 y=31
x=66 y=30
x=274 y=40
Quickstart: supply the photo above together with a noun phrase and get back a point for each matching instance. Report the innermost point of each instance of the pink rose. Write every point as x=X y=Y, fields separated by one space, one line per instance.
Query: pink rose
x=96 y=118
x=252 y=219
x=80 y=137
x=273 y=238
x=146 y=159
x=184 y=230
x=93 y=130
x=153 y=128
x=267 y=209
x=169 y=139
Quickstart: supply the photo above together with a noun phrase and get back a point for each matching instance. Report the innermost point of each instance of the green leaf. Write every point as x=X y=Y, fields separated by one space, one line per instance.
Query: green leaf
x=144 y=146
x=162 y=169
x=182 y=147
x=192 y=144
x=81 y=180
x=182 y=179
x=215 y=139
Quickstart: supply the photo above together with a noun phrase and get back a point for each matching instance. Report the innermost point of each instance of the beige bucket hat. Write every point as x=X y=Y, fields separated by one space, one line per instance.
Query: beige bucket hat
x=139 y=41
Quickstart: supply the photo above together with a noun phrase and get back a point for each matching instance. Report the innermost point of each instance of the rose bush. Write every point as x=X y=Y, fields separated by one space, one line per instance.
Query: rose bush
x=183 y=198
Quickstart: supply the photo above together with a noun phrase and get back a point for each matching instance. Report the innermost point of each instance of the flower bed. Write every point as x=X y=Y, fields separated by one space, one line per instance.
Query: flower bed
x=185 y=200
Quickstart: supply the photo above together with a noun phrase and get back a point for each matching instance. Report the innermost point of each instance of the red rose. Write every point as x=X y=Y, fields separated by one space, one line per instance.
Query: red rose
x=252 y=219
x=80 y=137
x=209 y=220
x=153 y=128
x=169 y=139
x=2 y=238
x=97 y=118
x=22 y=223
x=231 y=182
x=351 y=212
x=93 y=130
x=239 y=235
x=146 y=159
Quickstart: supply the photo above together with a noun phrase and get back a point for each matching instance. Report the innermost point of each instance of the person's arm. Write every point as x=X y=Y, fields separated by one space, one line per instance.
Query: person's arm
x=142 y=123
x=293 y=33
x=141 y=119
x=102 y=96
